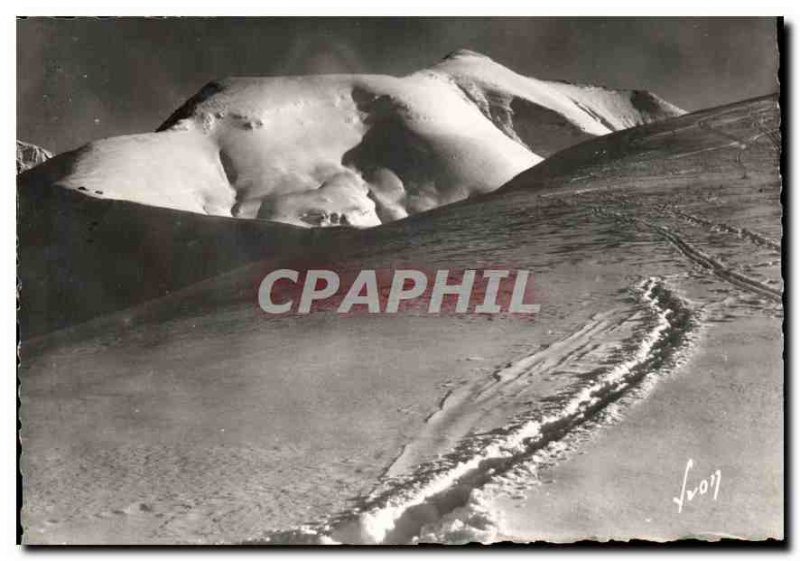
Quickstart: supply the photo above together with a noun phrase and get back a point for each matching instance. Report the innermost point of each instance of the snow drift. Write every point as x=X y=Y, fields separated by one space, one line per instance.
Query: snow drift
x=356 y=150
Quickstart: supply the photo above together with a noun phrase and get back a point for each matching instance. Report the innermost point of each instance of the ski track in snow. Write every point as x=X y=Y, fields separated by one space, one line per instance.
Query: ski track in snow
x=409 y=507
x=743 y=233
x=460 y=409
x=712 y=264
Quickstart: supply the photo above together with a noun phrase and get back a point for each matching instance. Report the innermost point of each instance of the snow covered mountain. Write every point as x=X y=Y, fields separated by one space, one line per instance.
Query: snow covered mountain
x=30 y=155
x=356 y=150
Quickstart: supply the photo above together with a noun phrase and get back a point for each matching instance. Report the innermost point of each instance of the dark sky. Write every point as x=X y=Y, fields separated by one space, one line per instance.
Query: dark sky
x=82 y=79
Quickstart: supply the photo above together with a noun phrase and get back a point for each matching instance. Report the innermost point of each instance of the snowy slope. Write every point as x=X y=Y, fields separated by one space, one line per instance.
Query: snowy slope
x=354 y=150
x=195 y=419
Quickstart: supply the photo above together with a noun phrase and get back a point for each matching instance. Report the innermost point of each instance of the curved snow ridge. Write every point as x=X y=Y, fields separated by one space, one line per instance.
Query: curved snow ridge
x=349 y=150
x=438 y=492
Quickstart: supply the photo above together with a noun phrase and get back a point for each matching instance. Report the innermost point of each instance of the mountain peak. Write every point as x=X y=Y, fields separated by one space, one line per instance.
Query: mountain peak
x=29 y=155
x=464 y=53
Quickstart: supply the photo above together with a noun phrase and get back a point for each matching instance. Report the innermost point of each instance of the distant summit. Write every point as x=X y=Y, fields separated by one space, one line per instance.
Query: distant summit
x=30 y=155
x=350 y=150
x=461 y=53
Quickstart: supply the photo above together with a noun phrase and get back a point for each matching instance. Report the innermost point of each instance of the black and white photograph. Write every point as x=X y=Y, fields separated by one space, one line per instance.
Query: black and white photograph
x=395 y=281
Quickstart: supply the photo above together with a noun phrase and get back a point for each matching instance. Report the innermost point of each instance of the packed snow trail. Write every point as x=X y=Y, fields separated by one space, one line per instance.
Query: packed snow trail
x=433 y=490
x=460 y=409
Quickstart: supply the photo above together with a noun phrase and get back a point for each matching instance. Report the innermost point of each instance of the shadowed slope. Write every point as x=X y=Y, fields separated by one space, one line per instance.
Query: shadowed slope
x=80 y=257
